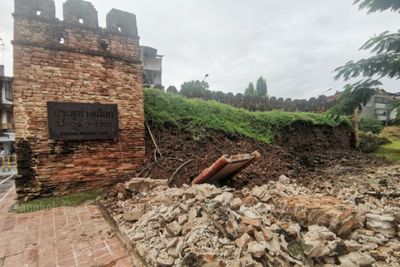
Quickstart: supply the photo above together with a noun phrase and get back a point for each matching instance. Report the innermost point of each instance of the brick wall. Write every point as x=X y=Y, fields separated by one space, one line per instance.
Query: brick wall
x=74 y=61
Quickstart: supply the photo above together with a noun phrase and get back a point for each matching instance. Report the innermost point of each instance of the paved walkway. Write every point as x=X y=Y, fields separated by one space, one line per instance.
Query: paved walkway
x=63 y=236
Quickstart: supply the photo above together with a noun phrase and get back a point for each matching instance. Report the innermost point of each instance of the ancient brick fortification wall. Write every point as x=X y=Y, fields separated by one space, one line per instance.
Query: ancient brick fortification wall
x=74 y=61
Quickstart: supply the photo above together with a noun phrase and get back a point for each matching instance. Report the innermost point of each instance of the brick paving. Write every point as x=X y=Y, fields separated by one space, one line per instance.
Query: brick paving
x=63 y=236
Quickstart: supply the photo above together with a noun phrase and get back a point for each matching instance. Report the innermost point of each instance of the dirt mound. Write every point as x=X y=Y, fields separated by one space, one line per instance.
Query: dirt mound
x=317 y=147
x=301 y=136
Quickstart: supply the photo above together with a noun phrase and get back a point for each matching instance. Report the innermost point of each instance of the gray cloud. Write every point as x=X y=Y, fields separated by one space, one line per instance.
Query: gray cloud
x=295 y=45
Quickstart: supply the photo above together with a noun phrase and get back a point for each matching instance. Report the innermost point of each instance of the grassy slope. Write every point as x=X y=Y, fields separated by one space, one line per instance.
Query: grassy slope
x=390 y=151
x=198 y=115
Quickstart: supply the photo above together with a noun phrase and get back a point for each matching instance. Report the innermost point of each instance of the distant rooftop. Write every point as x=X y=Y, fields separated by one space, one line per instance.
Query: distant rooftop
x=148 y=51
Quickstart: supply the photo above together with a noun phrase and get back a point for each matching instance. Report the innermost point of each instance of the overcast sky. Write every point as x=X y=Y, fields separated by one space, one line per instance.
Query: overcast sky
x=294 y=44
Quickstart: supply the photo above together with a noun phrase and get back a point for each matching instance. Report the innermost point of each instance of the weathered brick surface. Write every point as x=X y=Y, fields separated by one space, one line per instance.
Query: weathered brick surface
x=325 y=211
x=92 y=65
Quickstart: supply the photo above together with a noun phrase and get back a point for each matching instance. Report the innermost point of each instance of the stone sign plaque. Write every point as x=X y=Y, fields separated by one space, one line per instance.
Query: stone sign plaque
x=82 y=121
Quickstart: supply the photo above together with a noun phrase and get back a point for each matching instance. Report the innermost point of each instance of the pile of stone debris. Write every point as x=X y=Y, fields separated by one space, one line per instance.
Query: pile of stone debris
x=278 y=224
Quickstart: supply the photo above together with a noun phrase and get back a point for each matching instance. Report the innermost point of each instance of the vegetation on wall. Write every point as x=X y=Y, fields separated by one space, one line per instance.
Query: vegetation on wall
x=196 y=116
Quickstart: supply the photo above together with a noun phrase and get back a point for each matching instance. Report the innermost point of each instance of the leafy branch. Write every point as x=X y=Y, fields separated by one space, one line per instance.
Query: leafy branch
x=378 y=5
x=355 y=96
x=387 y=64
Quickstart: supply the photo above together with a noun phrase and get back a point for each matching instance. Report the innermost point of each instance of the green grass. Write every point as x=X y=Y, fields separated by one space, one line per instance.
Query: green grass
x=71 y=200
x=391 y=132
x=196 y=116
x=390 y=151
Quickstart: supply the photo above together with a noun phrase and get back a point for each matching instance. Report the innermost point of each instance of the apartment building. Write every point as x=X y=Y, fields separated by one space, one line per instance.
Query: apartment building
x=7 y=134
x=379 y=106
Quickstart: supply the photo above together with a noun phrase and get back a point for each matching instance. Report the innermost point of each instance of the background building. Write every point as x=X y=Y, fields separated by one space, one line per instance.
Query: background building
x=7 y=134
x=152 y=66
x=379 y=106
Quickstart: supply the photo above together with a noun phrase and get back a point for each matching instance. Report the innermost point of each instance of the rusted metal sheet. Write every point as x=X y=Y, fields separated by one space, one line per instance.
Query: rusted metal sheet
x=225 y=166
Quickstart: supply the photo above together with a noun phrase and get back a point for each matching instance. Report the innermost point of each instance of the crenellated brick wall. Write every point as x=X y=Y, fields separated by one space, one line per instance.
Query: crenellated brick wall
x=74 y=60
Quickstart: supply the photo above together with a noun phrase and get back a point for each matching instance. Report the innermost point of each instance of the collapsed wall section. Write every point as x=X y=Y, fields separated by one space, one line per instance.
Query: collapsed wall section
x=74 y=60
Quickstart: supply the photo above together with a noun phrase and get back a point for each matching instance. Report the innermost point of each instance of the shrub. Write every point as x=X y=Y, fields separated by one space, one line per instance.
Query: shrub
x=370 y=124
x=370 y=142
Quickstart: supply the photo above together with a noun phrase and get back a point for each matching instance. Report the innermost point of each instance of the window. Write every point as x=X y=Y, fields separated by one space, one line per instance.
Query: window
x=61 y=40
x=8 y=91
x=119 y=29
x=9 y=117
x=380 y=100
x=81 y=20
x=38 y=12
x=380 y=112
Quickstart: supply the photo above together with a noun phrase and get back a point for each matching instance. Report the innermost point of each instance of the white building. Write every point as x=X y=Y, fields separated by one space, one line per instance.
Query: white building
x=152 y=66
x=7 y=134
x=379 y=106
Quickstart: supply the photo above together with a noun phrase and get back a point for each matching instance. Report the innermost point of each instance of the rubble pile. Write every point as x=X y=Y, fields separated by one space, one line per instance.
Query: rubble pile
x=278 y=224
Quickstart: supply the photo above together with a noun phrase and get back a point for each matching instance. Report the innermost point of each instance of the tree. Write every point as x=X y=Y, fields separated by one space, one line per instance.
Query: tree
x=249 y=90
x=352 y=99
x=172 y=90
x=261 y=87
x=196 y=88
x=386 y=63
x=378 y=5
x=386 y=46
